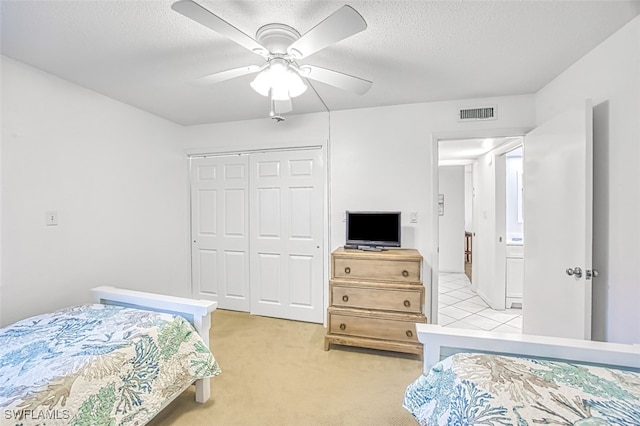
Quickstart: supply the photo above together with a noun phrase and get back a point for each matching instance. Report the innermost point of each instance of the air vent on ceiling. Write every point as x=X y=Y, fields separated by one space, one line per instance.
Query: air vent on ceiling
x=478 y=113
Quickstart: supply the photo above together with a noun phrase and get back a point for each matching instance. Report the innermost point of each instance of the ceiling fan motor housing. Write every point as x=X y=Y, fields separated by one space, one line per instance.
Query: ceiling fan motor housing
x=277 y=37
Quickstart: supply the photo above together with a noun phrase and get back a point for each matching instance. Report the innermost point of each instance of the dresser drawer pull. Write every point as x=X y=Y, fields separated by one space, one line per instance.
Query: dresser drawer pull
x=345 y=298
x=347 y=270
x=343 y=326
x=409 y=333
x=407 y=304
x=405 y=273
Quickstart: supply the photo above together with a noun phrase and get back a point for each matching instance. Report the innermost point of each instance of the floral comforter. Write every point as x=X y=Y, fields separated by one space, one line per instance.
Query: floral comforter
x=478 y=389
x=97 y=365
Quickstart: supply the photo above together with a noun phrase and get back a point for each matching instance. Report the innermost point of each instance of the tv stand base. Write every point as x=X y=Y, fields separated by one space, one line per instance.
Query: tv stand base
x=369 y=248
x=363 y=248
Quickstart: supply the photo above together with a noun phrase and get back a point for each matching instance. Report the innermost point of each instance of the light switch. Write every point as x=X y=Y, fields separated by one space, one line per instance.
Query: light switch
x=414 y=217
x=51 y=218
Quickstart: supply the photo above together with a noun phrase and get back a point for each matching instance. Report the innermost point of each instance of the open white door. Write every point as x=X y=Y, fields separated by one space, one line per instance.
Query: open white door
x=558 y=198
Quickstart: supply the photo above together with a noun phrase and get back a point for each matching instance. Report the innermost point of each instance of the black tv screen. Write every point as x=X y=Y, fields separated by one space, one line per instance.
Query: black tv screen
x=373 y=229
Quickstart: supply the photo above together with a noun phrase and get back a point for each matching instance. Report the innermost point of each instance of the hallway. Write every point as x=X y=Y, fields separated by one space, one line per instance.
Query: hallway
x=461 y=307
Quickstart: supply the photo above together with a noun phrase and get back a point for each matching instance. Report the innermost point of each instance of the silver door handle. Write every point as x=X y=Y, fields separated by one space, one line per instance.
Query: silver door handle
x=577 y=271
x=591 y=273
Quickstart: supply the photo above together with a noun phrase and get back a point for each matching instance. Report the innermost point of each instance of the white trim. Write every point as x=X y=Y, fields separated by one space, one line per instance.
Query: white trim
x=198 y=154
x=189 y=226
x=440 y=342
x=249 y=148
x=326 y=213
x=432 y=312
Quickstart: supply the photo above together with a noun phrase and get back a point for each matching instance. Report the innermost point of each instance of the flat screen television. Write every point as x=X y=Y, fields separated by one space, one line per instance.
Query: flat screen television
x=373 y=229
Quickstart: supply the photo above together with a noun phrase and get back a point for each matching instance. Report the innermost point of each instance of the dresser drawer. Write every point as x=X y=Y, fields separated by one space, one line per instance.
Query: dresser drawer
x=377 y=269
x=376 y=327
x=387 y=299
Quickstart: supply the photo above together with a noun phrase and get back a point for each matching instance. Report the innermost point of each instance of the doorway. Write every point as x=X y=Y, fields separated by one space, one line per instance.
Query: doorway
x=472 y=183
x=558 y=203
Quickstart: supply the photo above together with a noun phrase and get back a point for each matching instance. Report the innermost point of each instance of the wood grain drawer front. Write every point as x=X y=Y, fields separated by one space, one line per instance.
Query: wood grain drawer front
x=378 y=328
x=374 y=269
x=377 y=298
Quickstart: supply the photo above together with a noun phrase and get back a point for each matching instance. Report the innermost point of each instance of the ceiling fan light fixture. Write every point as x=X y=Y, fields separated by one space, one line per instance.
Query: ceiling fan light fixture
x=279 y=81
x=280 y=93
x=295 y=84
x=262 y=83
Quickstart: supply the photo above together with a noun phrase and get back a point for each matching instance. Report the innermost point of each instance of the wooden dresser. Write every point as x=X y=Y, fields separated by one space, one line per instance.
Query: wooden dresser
x=375 y=299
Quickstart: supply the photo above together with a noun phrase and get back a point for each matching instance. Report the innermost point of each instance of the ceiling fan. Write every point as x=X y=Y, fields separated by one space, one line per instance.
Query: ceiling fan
x=280 y=77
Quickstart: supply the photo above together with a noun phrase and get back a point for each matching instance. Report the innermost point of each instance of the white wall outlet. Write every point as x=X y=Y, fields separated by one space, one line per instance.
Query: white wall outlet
x=413 y=217
x=51 y=218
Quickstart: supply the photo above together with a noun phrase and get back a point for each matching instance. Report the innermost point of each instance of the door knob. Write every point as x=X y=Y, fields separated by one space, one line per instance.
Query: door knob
x=591 y=273
x=577 y=271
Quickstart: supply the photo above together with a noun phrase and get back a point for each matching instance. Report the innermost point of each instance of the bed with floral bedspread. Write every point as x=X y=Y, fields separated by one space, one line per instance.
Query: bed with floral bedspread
x=97 y=365
x=479 y=389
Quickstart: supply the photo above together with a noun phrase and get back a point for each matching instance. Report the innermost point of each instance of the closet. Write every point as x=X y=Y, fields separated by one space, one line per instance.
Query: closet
x=257 y=223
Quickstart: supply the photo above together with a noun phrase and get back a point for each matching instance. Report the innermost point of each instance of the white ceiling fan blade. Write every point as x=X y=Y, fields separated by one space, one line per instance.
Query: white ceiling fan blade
x=227 y=75
x=334 y=78
x=194 y=11
x=343 y=23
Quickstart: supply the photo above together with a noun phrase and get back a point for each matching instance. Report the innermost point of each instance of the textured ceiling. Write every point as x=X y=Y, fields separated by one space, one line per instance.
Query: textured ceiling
x=146 y=55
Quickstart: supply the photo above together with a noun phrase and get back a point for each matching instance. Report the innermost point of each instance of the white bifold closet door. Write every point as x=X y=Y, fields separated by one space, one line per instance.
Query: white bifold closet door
x=257 y=228
x=286 y=234
x=220 y=230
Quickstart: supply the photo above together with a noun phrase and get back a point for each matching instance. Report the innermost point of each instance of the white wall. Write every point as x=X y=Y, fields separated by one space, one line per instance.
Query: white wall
x=386 y=158
x=296 y=131
x=118 y=179
x=610 y=76
x=484 y=226
x=119 y=182
x=468 y=198
x=379 y=161
x=115 y=175
x=451 y=225
x=378 y=158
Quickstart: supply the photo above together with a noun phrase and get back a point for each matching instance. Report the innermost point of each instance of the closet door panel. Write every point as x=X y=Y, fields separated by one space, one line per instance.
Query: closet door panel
x=267 y=279
x=220 y=236
x=286 y=223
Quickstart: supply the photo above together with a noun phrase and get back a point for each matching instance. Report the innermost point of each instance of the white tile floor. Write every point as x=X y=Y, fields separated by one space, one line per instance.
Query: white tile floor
x=461 y=307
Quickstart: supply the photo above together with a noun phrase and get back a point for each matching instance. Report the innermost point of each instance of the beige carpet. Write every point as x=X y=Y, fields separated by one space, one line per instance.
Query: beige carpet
x=276 y=372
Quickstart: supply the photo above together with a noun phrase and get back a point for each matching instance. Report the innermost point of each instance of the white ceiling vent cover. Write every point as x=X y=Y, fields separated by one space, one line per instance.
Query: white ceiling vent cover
x=478 y=113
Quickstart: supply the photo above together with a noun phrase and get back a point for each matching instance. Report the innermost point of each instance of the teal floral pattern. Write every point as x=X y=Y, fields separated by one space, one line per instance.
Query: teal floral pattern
x=97 y=365
x=479 y=389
